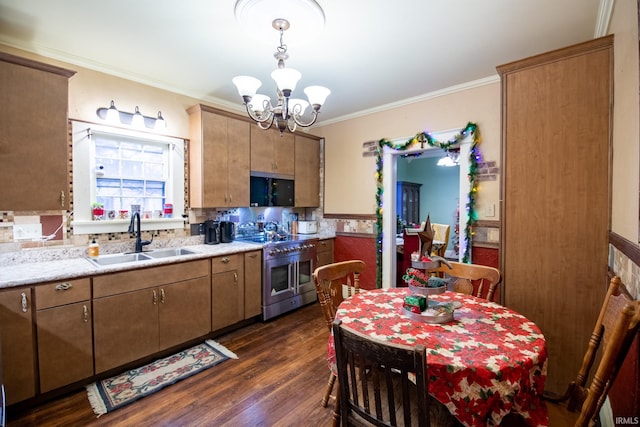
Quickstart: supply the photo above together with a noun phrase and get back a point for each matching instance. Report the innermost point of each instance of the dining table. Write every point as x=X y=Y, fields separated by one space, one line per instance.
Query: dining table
x=488 y=362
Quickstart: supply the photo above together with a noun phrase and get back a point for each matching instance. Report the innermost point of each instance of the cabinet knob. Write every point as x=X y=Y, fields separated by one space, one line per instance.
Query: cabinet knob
x=62 y=198
x=155 y=297
x=235 y=277
x=85 y=314
x=162 y=296
x=226 y=260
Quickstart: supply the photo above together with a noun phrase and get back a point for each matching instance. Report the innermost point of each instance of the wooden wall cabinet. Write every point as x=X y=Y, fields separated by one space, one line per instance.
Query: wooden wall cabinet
x=271 y=152
x=219 y=151
x=33 y=135
x=18 y=346
x=307 y=171
x=140 y=312
x=556 y=145
x=324 y=252
x=65 y=332
x=227 y=296
x=252 y=284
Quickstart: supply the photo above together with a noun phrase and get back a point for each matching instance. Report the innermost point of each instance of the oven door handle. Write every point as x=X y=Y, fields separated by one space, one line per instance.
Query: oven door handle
x=294 y=266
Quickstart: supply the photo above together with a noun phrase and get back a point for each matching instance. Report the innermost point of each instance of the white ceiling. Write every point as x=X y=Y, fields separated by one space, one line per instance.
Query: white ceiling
x=371 y=53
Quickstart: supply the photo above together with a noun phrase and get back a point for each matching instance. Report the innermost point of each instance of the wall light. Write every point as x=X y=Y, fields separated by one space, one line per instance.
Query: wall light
x=114 y=116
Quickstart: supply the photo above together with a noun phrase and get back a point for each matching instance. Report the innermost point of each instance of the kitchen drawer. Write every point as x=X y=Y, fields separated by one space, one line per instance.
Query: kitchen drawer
x=62 y=293
x=226 y=263
x=325 y=245
x=133 y=280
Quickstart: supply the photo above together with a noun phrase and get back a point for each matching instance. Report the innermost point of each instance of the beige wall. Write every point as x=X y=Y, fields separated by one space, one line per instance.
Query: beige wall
x=89 y=90
x=626 y=133
x=350 y=186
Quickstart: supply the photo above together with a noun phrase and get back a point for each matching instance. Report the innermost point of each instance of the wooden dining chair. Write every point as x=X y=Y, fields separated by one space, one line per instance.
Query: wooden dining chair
x=471 y=279
x=440 y=233
x=377 y=385
x=332 y=282
x=614 y=331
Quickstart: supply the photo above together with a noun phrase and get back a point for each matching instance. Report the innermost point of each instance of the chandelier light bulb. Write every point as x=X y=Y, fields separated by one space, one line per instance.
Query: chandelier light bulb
x=247 y=86
x=317 y=94
x=286 y=79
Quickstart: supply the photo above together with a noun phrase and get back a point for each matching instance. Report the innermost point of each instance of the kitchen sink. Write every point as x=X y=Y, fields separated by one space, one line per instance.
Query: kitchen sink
x=169 y=252
x=118 y=259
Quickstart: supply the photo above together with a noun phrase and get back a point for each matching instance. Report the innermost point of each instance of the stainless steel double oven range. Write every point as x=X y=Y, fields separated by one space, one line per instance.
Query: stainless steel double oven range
x=287 y=274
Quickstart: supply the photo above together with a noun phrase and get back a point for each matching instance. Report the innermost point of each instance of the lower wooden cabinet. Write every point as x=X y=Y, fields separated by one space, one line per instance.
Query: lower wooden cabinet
x=227 y=290
x=138 y=313
x=65 y=333
x=324 y=252
x=252 y=284
x=18 y=349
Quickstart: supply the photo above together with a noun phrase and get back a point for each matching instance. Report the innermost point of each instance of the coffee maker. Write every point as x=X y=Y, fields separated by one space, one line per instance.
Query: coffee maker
x=211 y=232
x=227 y=231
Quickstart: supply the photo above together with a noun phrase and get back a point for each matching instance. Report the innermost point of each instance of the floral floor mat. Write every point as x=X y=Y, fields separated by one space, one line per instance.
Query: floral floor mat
x=120 y=390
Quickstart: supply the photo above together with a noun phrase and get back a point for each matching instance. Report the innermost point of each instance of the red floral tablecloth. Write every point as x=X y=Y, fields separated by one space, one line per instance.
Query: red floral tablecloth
x=489 y=361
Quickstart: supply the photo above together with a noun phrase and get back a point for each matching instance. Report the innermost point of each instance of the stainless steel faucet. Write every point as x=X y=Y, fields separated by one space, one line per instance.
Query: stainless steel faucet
x=134 y=227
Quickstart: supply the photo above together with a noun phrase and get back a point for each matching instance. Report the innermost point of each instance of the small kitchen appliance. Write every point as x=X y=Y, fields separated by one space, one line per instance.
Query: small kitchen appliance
x=227 y=231
x=307 y=227
x=211 y=232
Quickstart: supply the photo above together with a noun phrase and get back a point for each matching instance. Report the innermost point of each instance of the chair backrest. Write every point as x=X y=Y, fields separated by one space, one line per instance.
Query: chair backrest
x=441 y=233
x=376 y=381
x=472 y=279
x=614 y=331
x=330 y=280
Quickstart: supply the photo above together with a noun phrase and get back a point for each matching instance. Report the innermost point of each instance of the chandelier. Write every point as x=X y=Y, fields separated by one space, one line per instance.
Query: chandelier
x=288 y=112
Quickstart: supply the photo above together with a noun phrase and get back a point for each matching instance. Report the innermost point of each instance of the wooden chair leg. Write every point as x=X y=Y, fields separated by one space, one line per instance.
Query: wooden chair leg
x=336 y=410
x=327 y=393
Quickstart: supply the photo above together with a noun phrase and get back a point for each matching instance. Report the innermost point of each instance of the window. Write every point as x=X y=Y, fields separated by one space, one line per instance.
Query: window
x=121 y=168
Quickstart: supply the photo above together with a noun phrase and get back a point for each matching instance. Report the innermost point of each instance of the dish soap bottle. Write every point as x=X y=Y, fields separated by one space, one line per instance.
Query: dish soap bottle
x=94 y=249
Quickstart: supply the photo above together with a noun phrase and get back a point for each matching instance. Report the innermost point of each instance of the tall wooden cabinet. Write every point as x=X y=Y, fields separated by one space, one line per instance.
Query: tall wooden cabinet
x=307 y=173
x=218 y=159
x=556 y=130
x=33 y=135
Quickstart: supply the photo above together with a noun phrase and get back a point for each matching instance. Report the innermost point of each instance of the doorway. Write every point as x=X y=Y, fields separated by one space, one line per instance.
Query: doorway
x=390 y=179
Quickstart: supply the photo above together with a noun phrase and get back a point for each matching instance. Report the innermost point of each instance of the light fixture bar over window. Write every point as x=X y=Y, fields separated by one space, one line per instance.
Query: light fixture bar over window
x=114 y=116
x=288 y=112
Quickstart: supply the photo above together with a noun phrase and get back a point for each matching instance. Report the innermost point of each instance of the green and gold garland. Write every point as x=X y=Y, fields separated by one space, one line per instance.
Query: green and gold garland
x=451 y=145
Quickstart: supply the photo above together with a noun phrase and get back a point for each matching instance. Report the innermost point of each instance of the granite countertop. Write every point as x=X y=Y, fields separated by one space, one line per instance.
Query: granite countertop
x=46 y=271
x=70 y=264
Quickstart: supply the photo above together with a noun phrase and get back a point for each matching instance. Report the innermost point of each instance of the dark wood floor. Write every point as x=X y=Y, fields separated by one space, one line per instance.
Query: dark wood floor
x=278 y=380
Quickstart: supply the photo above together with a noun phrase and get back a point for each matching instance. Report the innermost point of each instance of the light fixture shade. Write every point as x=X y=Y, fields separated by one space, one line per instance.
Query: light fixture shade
x=137 y=120
x=160 y=123
x=317 y=94
x=247 y=85
x=258 y=102
x=297 y=101
x=286 y=78
x=113 y=115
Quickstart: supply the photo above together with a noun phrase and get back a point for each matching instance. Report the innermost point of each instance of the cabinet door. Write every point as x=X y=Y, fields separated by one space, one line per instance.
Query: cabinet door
x=307 y=172
x=261 y=150
x=215 y=161
x=252 y=284
x=18 y=352
x=33 y=131
x=227 y=298
x=65 y=348
x=185 y=311
x=325 y=252
x=272 y=152
x=125 y=328
x=238 y=152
